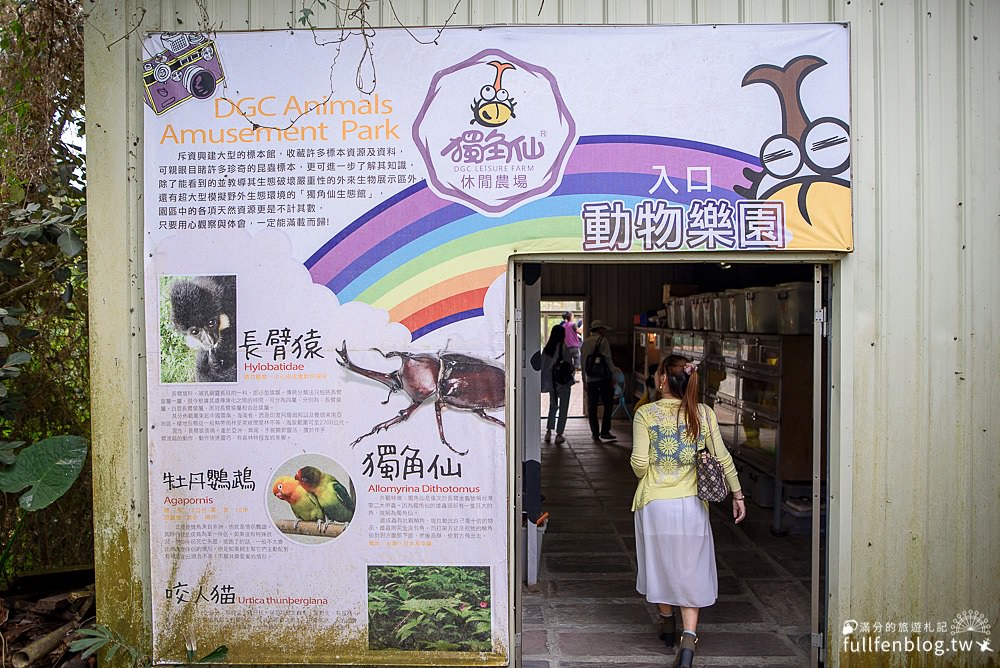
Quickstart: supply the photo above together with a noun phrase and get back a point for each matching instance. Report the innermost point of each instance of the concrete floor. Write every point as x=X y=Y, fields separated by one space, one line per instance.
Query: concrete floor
x=585 y=611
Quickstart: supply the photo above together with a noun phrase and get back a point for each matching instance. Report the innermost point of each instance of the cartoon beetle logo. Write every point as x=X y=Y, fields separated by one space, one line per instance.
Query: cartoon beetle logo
x=495 y=106
x=806 y=155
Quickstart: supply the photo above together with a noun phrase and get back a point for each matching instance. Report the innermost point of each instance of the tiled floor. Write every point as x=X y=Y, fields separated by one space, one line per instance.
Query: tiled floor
x=585 y=610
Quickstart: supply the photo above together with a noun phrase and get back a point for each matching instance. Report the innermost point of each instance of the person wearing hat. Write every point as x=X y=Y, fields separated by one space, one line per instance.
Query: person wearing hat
x=573 y=341
x=598 y=377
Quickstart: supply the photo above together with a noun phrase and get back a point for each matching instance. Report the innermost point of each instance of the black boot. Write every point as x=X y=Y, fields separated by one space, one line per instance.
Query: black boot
x=668 y=630
x=685 y=657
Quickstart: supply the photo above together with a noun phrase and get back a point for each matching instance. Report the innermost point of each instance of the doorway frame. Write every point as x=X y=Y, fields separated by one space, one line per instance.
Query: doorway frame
x=827 y=342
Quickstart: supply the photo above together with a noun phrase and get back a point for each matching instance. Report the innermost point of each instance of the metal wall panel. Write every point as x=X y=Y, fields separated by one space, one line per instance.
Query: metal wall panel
x=765 y=11
x=120 y=468
x=979 y=146
x=542 y=11
x=668 y=12
x=916 y=373
x=939 y=197
x=498 y=11
x=717 y=11
x=628 y=11
x=917 y=409
x=896 y=353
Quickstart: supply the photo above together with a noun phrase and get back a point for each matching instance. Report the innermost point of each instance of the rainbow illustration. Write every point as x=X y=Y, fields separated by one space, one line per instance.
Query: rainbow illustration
x=429 y=261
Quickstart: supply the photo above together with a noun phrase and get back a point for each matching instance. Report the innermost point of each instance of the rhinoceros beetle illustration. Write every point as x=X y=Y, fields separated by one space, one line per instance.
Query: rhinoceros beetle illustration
x=454 y=380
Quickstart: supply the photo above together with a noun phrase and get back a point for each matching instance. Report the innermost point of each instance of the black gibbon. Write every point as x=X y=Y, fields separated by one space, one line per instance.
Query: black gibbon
x=203 y=310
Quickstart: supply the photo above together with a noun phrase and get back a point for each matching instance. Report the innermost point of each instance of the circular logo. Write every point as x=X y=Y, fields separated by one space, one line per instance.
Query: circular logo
x=494 y=132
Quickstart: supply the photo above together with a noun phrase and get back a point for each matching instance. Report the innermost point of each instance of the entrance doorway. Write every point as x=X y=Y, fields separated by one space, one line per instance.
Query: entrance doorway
x=552 y=311
x=772 y=568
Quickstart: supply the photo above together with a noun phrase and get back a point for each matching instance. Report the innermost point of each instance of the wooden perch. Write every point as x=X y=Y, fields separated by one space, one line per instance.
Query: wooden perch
x=310 y=528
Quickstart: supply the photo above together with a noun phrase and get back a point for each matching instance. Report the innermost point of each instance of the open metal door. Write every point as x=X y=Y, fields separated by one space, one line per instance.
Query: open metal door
x=528 y=400
x=525 y=341
x=821 y=330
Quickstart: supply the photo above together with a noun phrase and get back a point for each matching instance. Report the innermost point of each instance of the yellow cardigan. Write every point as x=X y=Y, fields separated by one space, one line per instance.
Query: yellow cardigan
x=663 y=454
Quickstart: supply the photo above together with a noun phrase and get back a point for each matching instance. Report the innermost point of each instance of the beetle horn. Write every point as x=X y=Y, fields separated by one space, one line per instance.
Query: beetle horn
x=390 y=380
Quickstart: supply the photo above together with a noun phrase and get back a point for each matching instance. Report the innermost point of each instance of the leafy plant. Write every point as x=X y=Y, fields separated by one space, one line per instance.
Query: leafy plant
x=100 y=637
x=93 y=640
x=443 y=608
x=48 y=469
x=44 y=373
x=44 y=367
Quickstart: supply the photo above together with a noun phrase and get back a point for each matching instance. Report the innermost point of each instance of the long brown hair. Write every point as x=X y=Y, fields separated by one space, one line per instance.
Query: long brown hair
x=684 y=386
x=556 y=337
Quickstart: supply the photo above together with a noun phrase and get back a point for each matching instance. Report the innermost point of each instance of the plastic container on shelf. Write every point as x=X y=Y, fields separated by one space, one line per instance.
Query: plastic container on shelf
x=695 y=306
x=737 y=310
x=795 y=302
x=720 y=312
x=762 y=310
x=682 y=312
x=671 y=313
x=708 y=311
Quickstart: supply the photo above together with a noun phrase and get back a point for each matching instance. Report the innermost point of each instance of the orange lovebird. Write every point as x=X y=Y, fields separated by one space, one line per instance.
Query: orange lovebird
x=305 y=505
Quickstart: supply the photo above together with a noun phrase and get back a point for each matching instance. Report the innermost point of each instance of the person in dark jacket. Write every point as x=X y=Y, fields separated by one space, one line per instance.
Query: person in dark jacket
x=558 y=381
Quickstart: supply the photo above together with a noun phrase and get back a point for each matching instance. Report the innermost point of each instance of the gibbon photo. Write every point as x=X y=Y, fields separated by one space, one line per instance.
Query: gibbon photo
x=198 y=329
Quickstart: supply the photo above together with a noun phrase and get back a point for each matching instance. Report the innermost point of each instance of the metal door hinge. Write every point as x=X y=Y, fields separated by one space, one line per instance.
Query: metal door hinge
x=518 y=315
x=517 y=640
x=817 y=640
x=820 y=317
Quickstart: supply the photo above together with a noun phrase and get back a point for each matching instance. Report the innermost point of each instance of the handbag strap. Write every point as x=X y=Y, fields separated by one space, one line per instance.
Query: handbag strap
x=709 y=437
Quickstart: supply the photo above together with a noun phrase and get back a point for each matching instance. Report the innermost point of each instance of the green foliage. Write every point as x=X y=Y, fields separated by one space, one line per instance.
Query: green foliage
x=7 y=452
x=44 y=375
x=48 y=468
x=41 y=90
x=429 y=608
x=306 y=13
x=44 y=367
x=92 y=640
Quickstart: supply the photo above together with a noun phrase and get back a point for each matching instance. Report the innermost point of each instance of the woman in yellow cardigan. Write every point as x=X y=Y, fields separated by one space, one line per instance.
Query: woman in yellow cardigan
x=674 y=547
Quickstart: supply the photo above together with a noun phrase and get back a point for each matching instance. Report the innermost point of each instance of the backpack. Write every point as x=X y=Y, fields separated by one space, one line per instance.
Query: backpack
x=562 y=371
x=596 y=367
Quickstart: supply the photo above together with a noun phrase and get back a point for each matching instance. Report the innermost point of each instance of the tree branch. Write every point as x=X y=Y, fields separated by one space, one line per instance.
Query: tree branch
x=309 y=528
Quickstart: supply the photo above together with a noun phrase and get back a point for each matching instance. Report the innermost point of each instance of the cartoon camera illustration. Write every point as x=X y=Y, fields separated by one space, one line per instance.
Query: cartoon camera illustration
x=189 y=66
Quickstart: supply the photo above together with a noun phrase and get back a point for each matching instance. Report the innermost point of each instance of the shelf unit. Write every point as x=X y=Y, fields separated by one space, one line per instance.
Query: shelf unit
x=761 y=389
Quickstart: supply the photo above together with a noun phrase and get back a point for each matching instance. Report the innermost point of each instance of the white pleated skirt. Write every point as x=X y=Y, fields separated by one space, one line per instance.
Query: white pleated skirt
x=675 y=553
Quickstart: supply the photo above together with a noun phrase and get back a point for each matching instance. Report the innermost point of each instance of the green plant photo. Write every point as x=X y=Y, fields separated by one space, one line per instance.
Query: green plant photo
x=422 y=608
